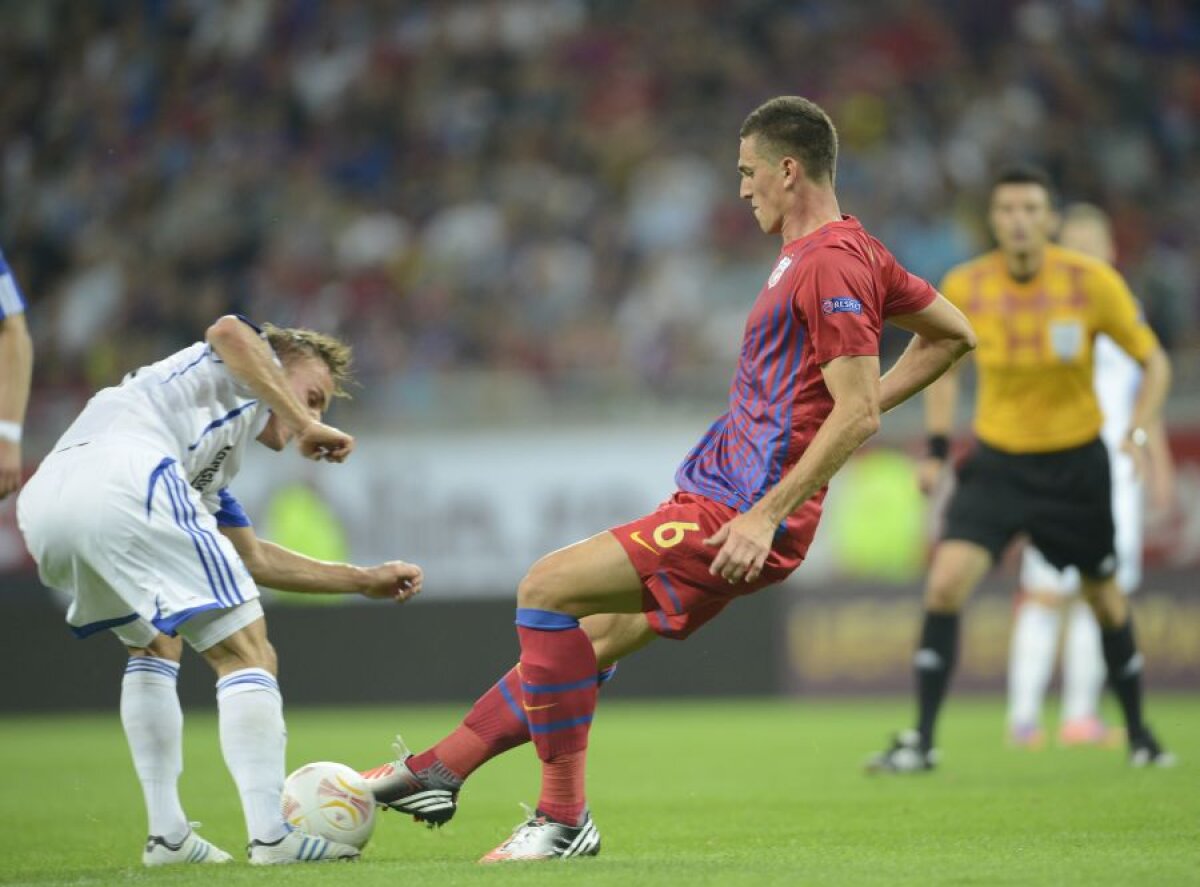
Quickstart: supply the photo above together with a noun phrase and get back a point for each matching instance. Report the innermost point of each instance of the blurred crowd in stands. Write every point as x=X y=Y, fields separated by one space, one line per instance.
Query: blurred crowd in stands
x=505 y=203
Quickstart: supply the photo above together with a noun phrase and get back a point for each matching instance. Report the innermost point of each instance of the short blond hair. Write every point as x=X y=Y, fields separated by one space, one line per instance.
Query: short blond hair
x=292 y=343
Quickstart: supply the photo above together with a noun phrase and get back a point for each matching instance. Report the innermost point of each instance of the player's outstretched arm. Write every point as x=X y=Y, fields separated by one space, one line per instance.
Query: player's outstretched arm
x=250 y=360
x=746 y=540
x=942 y=335
x=286 y=570
x=16 y=371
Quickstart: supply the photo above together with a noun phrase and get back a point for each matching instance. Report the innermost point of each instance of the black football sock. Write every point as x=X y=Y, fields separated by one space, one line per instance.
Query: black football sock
x=1125 y=673
x=934 y=663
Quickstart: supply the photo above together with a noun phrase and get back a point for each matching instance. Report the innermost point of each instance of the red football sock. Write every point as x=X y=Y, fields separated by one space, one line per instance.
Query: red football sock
x=493 y=725
x=562 y=787
x=558 y=686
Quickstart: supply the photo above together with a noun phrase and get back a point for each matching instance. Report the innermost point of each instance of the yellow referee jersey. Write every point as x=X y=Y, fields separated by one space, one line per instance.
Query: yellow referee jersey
x=1035 y=345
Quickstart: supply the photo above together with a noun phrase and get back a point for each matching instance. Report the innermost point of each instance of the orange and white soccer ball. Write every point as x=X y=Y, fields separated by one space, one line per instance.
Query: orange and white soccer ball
x=330 y=800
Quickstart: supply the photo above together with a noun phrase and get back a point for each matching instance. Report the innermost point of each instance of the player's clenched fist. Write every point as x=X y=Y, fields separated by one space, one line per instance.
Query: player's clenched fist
x=395 y=580
x=320 y=441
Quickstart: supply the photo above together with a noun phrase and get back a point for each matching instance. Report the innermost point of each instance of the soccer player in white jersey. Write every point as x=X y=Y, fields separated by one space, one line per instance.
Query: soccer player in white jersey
x=1048 y=592
x=132 y=517
x=16 y=370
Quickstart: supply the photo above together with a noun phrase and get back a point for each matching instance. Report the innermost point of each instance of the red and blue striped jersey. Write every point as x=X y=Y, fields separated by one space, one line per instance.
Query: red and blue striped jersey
x=827 y=297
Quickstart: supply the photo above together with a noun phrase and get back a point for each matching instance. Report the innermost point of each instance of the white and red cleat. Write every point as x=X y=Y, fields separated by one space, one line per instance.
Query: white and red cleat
x=540 y=838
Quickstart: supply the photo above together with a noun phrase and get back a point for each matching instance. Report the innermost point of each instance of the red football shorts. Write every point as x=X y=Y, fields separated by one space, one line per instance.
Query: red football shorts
x=667 y=549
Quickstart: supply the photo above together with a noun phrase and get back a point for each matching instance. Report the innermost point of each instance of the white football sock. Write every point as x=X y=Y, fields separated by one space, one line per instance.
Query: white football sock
x=153 y=725
x=1083 y=664
x=253 y=741
x=1030 y=662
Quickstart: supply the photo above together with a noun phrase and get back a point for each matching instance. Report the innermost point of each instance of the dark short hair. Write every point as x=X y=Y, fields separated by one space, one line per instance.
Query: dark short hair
x=790 y=125
x=1023 y=175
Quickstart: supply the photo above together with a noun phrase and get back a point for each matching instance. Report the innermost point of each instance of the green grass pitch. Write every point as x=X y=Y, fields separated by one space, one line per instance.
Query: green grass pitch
x=698 y=793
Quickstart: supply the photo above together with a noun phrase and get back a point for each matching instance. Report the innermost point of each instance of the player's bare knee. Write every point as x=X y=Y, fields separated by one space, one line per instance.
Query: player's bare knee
x=944 y=597
x=162 y=647
x=537 y=590
x=246 y=648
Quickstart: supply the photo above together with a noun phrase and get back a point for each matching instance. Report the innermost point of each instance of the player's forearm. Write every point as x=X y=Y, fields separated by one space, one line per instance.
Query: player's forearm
x=250 y=360
x=1152 y=394
x=16 y=368
x=922 y=364
x=847 y=427
x=287 y=570
x=941 y=400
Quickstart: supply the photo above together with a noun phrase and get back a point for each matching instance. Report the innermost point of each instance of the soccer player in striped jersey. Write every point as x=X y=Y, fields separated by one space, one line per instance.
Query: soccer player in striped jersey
x=806 y=394
x=131 y=516
x=16 y=371
x=1046 y=591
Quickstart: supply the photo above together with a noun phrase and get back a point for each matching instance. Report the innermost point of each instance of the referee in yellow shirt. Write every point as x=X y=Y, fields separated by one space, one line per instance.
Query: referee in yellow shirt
x=1038 y=466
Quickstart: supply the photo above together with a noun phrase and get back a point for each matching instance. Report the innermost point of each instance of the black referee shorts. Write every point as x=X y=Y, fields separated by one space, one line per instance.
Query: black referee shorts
x=1061 y=499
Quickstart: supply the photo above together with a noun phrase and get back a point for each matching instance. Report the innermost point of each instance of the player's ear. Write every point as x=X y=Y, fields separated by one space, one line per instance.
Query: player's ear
x=791 y=169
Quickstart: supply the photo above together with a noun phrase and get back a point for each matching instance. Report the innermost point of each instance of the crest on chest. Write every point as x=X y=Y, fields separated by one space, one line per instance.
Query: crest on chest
x=777 y=274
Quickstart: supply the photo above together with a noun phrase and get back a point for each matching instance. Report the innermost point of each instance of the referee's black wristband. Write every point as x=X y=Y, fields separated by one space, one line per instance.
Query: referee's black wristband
x=939 y=446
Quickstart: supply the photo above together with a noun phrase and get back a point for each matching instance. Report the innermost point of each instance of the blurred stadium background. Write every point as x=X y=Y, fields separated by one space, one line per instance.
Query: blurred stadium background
x=524 y=216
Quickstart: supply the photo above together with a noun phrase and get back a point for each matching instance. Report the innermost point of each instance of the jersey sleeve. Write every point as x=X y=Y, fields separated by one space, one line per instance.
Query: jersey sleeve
x=907 y=293
x=1118 y=316
x=834 y=293
x=11 y=300
x=229 y=511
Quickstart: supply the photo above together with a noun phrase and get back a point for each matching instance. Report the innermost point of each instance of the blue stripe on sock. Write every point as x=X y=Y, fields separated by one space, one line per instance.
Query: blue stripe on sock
x=262 y=679
x=559 y=688
x=240 y=682
x=555 y=726
x=545 y=620
x=150 y=664
x=512 y=703
x=606 y=674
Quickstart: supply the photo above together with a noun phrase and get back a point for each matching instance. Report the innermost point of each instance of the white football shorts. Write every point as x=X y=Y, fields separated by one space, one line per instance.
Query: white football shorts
x=1037 y=574
x=116 y=527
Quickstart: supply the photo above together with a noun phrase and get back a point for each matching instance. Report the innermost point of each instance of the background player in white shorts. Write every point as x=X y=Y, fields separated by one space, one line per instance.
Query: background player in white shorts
x=131 y=516
x=1048 y=591
x=16 y=370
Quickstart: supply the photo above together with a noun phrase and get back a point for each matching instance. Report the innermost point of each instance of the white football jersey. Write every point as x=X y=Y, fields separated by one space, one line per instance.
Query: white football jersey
x=187 y=406
x=1116 y=379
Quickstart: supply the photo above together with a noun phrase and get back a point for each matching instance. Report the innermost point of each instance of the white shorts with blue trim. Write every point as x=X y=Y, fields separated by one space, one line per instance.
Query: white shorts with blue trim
x=116 y=527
